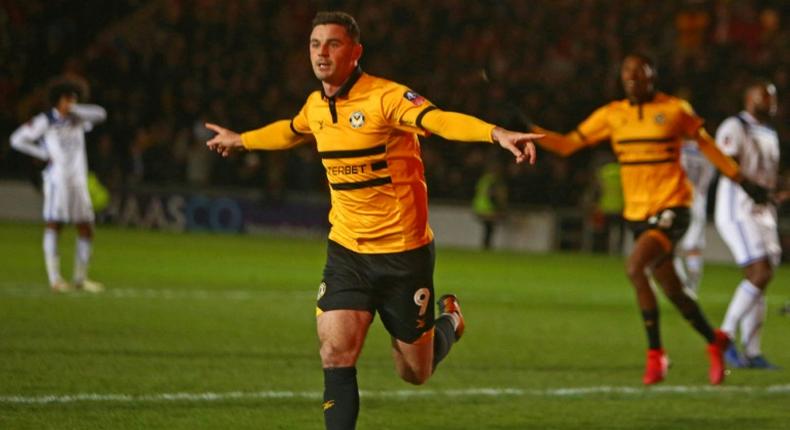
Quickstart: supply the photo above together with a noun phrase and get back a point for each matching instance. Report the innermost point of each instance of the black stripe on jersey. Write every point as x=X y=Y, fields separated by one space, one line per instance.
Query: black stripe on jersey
x=647 y=140
x=333 y=110
x=345 y=186
x=352 y=153
x=378 y=165
x=659 y=161
x=293 y=129
x=418 y=121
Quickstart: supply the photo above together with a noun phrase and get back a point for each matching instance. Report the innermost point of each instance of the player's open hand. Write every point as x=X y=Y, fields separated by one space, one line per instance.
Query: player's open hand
x=520 y=144
x=225 y=142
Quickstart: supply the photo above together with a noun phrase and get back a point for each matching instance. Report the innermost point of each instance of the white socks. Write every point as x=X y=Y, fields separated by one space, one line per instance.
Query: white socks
x=746 y=297
x=51 y=256
x=81 y=259
x=751 y=328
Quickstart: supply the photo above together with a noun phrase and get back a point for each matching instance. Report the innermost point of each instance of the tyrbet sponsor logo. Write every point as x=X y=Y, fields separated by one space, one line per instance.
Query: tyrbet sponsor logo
x=346 y=170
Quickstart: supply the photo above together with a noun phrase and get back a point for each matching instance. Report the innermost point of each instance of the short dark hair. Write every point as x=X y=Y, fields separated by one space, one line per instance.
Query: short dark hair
x=340 y=18
x=63 y=88
x=646 y=59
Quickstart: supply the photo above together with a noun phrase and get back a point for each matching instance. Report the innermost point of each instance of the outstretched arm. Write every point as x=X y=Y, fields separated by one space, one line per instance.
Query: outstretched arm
x=593 y=130
x=466 y=128
x=726 y=165
x=277 y=135
x=563 y=145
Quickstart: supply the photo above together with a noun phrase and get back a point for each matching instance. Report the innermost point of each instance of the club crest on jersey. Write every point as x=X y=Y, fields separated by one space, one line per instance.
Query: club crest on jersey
x=660 y=118
x=357 y=119
x=414 y=98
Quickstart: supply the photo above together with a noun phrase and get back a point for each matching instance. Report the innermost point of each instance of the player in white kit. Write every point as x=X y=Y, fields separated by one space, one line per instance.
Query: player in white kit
x=748 y=227
x=57 y=138
x=688 y=260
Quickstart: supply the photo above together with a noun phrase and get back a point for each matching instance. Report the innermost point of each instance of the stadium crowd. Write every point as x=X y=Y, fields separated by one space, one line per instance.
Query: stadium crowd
x=161 y=68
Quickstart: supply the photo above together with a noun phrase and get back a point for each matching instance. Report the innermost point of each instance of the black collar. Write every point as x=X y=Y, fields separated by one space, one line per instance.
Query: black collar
x=346 y=87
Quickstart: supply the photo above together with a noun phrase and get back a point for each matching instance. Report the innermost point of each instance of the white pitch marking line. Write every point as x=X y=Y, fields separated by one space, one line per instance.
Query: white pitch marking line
x=153 y=293
x=401 y=394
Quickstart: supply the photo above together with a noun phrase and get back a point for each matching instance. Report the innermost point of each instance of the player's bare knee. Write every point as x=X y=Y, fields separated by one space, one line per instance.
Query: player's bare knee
x=415 y=376
x=85 y=230
x=332 y=356
x=634 y=270
x=761 y=278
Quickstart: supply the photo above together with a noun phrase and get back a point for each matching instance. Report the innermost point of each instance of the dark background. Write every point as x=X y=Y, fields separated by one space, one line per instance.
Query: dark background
x=162 y=68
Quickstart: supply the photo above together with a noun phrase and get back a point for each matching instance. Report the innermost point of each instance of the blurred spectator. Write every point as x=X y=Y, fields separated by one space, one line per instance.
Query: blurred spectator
x=163 y=66
x=490 y=199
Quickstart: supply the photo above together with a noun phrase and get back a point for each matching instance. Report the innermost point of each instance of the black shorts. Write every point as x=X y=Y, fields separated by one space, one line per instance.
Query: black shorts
x=673 y=222
x=397 y=285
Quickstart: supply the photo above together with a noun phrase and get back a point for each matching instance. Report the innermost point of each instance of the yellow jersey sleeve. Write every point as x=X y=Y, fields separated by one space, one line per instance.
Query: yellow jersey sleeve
x=275 y=136
x=281 y=134
x=409 y=111
x=404 y=108
x=456 y=126
x=689 y=121
x=595 y=128
x=726 y=165
x=300 y=124
x=591 y=131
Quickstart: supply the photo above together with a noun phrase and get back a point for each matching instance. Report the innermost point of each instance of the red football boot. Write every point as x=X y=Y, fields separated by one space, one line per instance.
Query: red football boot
x=448 y=304
x=716 y=351
x=656 y=366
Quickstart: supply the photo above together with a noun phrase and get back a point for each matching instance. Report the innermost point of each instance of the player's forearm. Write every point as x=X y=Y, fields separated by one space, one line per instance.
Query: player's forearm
x=563 y=145
x=91 y=113
x=275 y=136
x=726 y=165
x=23 y=142
x=457 y=126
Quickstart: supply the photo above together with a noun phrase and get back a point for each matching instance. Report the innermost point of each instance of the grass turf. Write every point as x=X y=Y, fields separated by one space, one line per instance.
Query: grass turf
x=223 y=314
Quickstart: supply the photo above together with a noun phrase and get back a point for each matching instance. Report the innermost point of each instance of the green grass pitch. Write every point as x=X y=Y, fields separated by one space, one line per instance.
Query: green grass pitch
x=212 y=331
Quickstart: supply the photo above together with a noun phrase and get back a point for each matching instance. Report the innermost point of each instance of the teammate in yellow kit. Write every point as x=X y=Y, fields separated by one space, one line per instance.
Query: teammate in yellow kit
x=380 y=254
x=646 y=131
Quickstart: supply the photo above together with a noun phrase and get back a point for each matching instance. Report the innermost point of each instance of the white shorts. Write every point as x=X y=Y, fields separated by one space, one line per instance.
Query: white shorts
x=66 y=202
x=700 y=172
x=751 y=239
x=694 y=239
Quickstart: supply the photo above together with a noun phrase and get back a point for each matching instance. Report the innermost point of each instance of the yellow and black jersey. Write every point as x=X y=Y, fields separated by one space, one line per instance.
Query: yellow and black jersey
x=367 y=138
x=647 y=140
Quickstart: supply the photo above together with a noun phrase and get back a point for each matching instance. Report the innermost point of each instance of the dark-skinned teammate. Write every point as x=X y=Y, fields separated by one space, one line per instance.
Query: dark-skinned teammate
x=646 y=131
